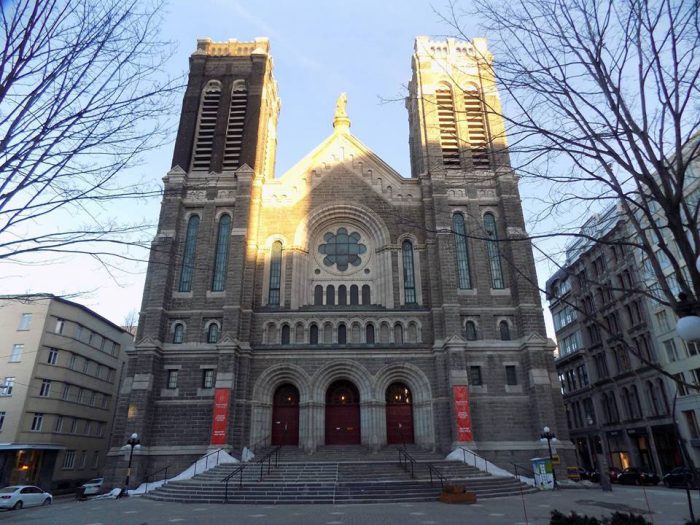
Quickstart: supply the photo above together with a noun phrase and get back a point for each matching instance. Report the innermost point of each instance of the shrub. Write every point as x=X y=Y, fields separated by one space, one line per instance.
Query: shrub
x=571 y=519
x=619 y=518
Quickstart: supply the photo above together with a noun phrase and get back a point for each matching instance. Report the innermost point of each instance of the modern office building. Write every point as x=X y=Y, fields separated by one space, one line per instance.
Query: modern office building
x=60 y=365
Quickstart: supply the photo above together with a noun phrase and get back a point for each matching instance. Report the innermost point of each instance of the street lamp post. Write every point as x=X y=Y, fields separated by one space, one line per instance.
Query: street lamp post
x=133 y=442
x=549 y=436
x=602 y=459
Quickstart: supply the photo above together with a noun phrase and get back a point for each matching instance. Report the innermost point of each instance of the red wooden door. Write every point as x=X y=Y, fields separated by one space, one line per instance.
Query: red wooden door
x=285 y=416
x=342 y=414
x=399 y=414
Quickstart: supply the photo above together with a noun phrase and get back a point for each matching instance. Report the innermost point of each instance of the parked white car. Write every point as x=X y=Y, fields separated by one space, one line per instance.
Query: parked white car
x=92 y=487
x=17 y=496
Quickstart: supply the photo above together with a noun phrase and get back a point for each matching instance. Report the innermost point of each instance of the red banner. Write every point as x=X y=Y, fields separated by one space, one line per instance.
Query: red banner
x=464 y=420
x=219 y=424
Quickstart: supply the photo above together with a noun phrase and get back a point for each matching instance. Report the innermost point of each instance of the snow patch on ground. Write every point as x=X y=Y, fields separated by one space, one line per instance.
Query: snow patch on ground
x=485 y=466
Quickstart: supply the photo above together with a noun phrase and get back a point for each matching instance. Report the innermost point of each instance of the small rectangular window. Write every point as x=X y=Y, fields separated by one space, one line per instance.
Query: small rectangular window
x=692 y=422
x=37 y=421
x=59 y=424
x=7 y=386
x=60 y=325
x=53 y=356
x=66 y=392
x=96 y=459
x=25 y=321
x=511 y=375
x=208 y=378
x=83 y=459
x=73 y=361
x=2 y=420
x=475 y=375
x=68 y=459
x=172 y=379
x=45 y=388
x=16 y=355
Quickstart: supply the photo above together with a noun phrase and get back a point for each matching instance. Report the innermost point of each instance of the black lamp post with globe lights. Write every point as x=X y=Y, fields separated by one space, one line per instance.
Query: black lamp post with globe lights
x=133 y=442
x=550 y=436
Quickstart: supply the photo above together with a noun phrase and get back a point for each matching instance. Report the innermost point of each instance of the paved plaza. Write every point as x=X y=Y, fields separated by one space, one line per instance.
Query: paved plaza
x=668 y=507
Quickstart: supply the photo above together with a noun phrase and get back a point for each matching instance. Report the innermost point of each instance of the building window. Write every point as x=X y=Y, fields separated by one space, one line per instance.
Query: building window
x=409 y=282
x=7 y=386
x=53 y=356
x=671 y=350
x=313 y=334
x=2 y=419
x=188 y=258
x=330 y=295
x=369 y=334
x=354 y=295
x=16 y=355
x=37 y=421
x=59 y=424
x=462 y=250
x=24 y=322
x=171 y=382
x=342 y=295
x=68 y=459
x=206 y=126
x=60 y=326
x=449 y=141
x=342 y=249
x=470 y=331
x=96 y=459
x=179 y=333
x=504 y=330
x=286 y=334
x=221 y=253
x=475 y=376
x=45 y=389
x=213 y=333
x=511 y=375
x=493 y=252
x=692 y=421
x=318 y=295
x=235 y=125
x=476 y=126
x=398 y=334
x=693 y=347
x=366 y=295
x=208 y=378
x=342 y=334
x=273 y=297
x=680 y=384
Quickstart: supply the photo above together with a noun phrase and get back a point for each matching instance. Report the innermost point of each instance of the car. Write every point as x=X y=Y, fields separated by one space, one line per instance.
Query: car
x=637 y=476
x=680 y=476
x=16 y=497
x=614 y=472
x=92 y=487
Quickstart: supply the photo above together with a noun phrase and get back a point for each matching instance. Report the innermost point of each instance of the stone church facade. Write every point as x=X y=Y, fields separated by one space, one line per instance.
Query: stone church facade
x=340 y=303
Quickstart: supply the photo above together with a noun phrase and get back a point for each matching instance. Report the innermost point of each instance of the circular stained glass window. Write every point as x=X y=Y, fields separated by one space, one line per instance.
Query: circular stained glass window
x=342 y=249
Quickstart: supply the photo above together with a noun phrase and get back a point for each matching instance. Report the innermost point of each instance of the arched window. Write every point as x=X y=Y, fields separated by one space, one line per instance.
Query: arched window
x=235 y=125
x=327 y=333
x=179 y=333
x=409 y=282
x=412 y=332
x=366 y=298
x=664 y=399
x=493 y=251
x=464 y=279
x=470 y=331
x=636 y=403
x=652 y=399
x=313 y=334
x=330 y=295
x=354 y=294
x=369 y=334
x=286 y=336
x=355 y=335
x=318 y=295
x=213 y=333
x=299 y=335
x=342 y=334
x=398 y=334
x=206 y=126
x=476 y=126
x=504 y=330
x=449 y=142
x=384 y=333
x=275 y=274
x=342 y=295
x=189 y=254
x=221 y=254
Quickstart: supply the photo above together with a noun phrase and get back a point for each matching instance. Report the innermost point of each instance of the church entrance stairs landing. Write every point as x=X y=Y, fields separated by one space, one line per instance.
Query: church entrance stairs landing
x=337 y=474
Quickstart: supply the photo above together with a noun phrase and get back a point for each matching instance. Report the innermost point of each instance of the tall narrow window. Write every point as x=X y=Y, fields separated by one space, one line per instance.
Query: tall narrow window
x=366 y=296
x=286 y=334
x=313 y=334
x=476 y=125
x=342 y=334
x=504 y=330
x=330 y=295
x=470 y=331
x=221 y=255
x=318 y=295
x=179 y=333
x=398 y=334
x=493 y=251
x=449 y=141
x=206 y=126
x=342 y=295
x=462 y=250
x=275 y=274
x=235 y=125
x=409 y=282
x=189 y=254
x=213 y=333
x=369 y=334
x=354 y=295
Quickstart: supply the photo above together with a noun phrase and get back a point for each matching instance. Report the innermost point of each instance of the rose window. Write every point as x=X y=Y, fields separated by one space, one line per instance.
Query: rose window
x=342 y=249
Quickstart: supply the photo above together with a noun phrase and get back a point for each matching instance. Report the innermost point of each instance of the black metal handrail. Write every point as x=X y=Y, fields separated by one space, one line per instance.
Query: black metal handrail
x=147 y=477
x=405 y=459
x=475 y=456
x=435 y=471
x=523 y=468
x=241 y=468
x=255 y=445
x=206 y=459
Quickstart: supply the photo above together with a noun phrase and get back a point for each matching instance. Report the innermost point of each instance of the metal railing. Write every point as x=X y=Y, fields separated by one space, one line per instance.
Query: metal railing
x=405 y=459
x=267 y=458
x=254 y=446
x=436 y=472
x=206 y=460
x=148 y=477
x=475 y=457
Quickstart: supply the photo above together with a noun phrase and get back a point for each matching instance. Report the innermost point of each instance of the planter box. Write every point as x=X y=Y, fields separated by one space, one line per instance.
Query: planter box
x=464 y=497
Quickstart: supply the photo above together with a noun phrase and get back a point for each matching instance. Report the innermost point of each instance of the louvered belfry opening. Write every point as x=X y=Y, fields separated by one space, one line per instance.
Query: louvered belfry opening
x=235 y=125
x=476 y=125
x=206 y=127
x=449 y=141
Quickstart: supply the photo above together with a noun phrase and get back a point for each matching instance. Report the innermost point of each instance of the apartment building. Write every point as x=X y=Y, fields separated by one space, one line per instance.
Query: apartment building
x=60 y=367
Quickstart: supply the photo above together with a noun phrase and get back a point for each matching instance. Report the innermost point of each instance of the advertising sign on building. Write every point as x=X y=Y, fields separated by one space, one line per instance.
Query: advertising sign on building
x=219 y=424
x=462 y=415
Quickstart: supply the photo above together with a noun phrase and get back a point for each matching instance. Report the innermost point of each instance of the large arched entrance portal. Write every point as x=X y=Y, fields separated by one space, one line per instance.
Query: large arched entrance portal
x=342 y=414
x=285 y=416
x=399 y=414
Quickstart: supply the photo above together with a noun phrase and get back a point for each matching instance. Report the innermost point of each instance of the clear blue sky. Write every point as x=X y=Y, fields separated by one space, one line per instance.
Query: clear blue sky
x=320 y=49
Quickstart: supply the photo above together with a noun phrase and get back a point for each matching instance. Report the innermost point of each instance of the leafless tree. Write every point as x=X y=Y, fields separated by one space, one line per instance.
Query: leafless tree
x=602 y=104
x=83 y=94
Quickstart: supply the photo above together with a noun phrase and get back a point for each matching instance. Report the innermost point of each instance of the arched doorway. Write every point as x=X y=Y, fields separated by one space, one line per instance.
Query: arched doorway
x=285 y=416
x=399 y=414
x=342 y=414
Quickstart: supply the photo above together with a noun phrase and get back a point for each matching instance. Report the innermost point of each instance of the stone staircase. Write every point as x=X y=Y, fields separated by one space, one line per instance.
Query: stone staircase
x=348 y=474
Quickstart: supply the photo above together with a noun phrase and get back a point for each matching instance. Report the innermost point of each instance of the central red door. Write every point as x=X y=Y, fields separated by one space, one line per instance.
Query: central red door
x=285 y=416
x=342 y=414
x=399 y=414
